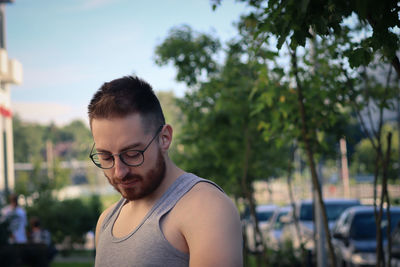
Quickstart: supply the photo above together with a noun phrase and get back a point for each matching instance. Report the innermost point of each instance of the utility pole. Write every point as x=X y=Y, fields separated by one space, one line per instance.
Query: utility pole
x=344 y=168
x=50 y=159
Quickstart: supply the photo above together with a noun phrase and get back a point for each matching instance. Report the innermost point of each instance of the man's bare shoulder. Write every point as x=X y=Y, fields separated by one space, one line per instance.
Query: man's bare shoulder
x=205 y=198
x=204 y=189
x=209 y=220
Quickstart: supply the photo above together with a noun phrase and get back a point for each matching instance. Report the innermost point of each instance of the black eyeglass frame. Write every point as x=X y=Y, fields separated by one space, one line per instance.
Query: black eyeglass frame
x=91 y=155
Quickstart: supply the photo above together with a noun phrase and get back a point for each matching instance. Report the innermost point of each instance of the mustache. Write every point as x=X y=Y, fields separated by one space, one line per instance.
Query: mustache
x=131 y=176
x=127 y=177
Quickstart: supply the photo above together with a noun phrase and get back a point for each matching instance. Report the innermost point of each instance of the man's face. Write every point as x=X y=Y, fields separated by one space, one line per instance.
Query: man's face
x=119 y=134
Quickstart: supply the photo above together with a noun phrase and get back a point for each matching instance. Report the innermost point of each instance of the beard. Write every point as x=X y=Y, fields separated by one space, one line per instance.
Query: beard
x=144 y=185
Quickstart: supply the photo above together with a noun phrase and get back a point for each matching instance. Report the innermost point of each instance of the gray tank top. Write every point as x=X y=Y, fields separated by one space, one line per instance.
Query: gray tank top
x=146 y=245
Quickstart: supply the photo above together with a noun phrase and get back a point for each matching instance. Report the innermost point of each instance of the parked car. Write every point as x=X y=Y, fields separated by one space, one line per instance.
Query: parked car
x=396 y=246
x=263 y=214
x=354 y=235
x=305 y=215
x=273 y=231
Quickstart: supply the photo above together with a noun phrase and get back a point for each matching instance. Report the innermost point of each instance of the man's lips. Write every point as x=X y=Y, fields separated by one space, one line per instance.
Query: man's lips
x=128 y=183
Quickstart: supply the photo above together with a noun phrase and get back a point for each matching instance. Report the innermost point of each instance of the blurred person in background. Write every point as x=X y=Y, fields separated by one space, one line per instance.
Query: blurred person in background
x=166 y=216
x=41 y=236
x=16 y=216
x=37 y=234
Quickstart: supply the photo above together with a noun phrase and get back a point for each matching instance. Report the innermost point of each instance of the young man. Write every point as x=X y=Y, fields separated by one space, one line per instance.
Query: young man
x=166 y=217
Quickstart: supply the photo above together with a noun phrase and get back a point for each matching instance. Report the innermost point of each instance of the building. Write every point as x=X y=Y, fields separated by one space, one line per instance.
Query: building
x=10 y=73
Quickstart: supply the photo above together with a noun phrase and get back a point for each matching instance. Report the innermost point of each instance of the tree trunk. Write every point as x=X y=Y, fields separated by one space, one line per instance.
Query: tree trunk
x=264 y=259
x=292 y=203
x=305 y=132
x=385 y=195
x=396 y=65
x=378 y=213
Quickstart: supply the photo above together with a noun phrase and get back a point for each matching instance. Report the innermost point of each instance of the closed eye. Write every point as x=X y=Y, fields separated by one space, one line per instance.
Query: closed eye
x=105 y=156
x=131 y=154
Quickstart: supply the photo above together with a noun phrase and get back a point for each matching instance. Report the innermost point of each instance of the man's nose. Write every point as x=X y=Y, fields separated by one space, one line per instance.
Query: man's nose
x=120 y=168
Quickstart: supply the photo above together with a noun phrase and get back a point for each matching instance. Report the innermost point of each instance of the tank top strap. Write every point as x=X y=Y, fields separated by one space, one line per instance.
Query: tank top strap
x=112 y=213
x=176 y=191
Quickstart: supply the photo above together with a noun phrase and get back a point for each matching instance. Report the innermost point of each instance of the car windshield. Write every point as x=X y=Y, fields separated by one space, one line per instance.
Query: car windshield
x=333 y=210
x=263 y=216
x=306 y=212
x=363 y=226
x=278 y=224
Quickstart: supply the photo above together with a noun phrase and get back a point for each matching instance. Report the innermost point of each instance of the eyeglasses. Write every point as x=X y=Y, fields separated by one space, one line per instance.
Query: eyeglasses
x=130 y=157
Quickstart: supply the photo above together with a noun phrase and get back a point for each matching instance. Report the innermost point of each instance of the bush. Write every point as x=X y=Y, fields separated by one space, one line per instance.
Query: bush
x=68 y=220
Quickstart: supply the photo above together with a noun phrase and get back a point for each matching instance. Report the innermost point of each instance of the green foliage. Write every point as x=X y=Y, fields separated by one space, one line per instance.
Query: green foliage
x=30 y=140
x=323 y=93
x=286 y=256
x=363 y=160
x=190 y=52
x=173 y=116
x=351 y=44
x=79 y=134
x=71 y=218
x=293 y=20
x=220 y=137
x=37 y=181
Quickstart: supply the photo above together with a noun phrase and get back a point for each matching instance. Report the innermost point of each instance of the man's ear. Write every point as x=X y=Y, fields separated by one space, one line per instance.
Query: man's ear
x=165 y=137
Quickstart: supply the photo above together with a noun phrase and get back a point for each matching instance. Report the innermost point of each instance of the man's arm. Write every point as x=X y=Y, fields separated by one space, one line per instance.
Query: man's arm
x=211 y=227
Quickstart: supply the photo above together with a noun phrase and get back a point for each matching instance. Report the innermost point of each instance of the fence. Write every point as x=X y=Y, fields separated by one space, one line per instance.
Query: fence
x=277 y=192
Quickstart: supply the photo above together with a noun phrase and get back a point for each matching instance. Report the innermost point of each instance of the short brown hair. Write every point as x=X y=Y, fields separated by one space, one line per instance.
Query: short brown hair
x=125 y=96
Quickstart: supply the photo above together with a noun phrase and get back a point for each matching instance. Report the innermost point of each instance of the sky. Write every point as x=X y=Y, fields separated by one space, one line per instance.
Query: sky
x=69 y=48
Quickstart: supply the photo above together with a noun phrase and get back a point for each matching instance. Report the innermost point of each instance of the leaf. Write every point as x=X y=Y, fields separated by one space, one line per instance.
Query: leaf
x=359 y=57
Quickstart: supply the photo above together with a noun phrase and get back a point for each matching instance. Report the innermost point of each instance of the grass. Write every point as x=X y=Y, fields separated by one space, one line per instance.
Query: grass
x=72 y=264
x=78 y=258
x=76 y=253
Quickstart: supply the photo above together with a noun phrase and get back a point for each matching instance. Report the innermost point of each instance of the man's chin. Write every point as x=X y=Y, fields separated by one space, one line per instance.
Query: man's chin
x=129 y=194
x=131 y=197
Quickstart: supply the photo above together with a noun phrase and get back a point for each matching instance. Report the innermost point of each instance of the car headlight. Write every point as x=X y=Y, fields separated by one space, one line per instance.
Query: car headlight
x=363 y=258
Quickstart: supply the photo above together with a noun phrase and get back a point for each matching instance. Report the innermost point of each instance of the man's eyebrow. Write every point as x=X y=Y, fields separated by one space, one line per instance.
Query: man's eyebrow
x=131 y=146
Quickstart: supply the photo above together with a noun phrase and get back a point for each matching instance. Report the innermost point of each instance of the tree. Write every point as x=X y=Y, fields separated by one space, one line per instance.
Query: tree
x=173 y=115
x=30 y=140
x=373 y=35
x=78 y=133
x=38 y=184
x=220 y=134
x=192 y=54
x=363 y=159
x=376 y=96
x=293 y=20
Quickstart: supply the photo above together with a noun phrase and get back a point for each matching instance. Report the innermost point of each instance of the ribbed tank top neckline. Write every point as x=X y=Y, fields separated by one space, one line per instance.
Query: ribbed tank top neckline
x=179 y=187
